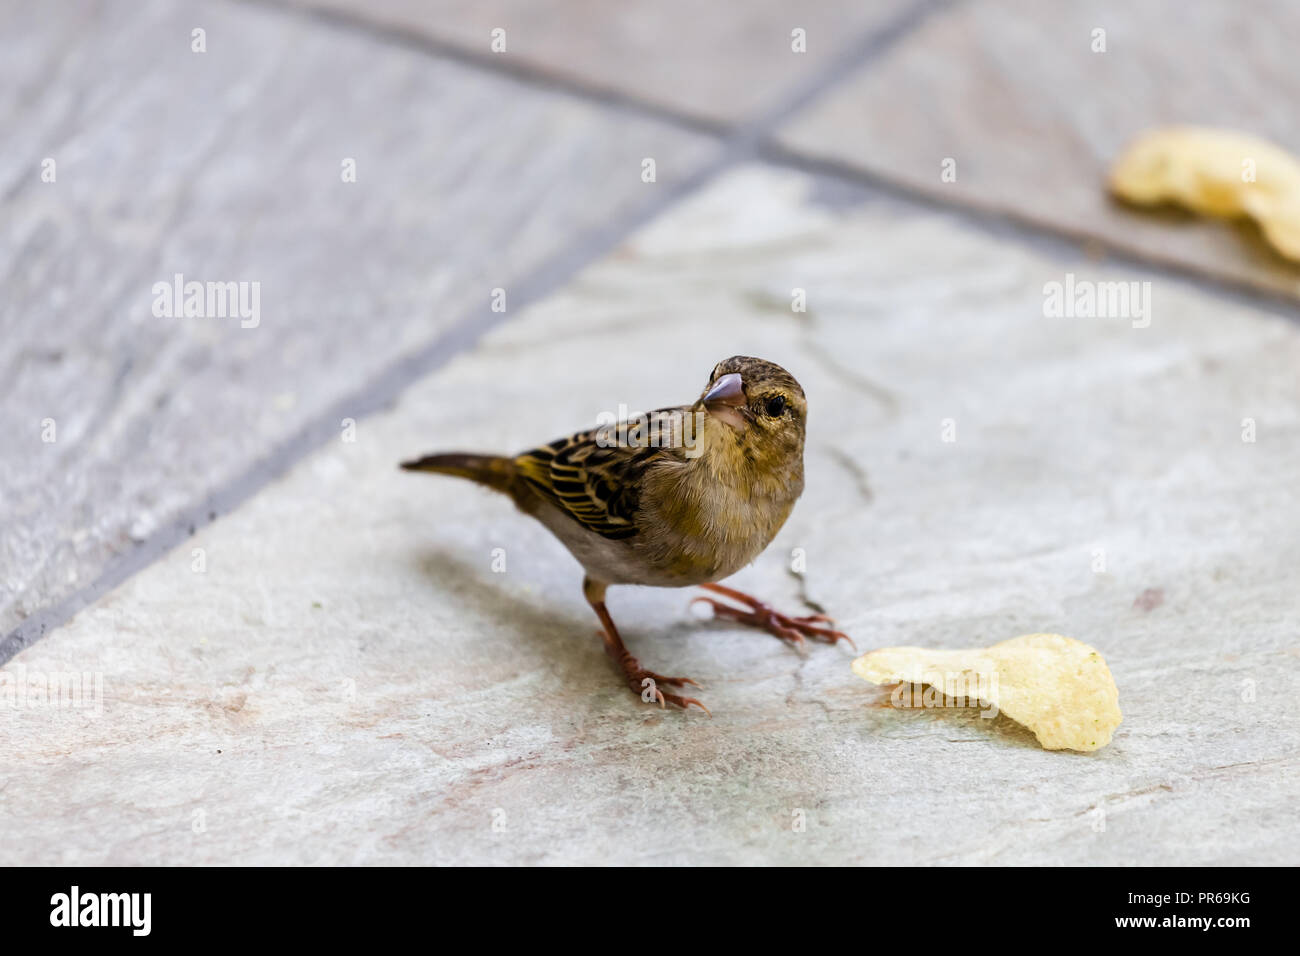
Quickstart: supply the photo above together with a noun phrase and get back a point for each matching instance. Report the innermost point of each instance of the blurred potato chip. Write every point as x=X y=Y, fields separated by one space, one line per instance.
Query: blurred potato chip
x=1060 y=688
x=1216 y=172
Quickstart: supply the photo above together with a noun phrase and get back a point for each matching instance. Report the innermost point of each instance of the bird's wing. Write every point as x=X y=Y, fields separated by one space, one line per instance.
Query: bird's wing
x=595 y=478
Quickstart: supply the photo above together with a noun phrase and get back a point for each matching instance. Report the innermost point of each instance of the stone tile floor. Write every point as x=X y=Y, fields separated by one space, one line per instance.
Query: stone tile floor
x=296 y=653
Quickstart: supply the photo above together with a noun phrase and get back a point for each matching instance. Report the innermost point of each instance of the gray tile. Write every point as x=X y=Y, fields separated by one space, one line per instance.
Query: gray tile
x=226 y=166
x=348 y=679
x=1033 y=117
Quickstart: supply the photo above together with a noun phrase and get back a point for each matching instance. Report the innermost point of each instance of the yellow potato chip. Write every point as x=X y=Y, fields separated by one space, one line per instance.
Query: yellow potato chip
x=1216 y=172
x=1060 y=688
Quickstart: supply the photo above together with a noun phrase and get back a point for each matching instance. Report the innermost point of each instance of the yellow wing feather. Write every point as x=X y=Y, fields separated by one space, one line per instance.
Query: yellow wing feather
x=592 y=479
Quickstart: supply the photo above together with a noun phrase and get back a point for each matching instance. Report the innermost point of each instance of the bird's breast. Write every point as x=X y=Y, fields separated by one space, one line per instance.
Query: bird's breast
x=697 y=528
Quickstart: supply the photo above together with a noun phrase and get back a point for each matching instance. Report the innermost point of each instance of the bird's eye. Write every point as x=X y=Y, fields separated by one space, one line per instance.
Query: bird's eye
x=776 y=406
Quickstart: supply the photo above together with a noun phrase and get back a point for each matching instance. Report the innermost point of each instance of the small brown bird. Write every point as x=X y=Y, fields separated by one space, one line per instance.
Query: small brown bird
x=674 y=498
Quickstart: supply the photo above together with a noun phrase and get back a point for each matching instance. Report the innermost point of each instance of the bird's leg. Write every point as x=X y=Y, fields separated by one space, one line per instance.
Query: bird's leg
x=643 y=682
x=792 y=629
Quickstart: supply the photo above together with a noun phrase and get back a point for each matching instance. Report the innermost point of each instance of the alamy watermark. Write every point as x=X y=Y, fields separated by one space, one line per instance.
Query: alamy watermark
x=21 y=688
x=129 y=910
x=179 y=299
x=923 y=688
x=1086 y=299
x=673 y=428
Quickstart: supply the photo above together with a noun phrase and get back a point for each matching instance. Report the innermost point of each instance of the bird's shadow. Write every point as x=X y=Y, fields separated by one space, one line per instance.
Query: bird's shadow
x=564 y=637
x=483 y=593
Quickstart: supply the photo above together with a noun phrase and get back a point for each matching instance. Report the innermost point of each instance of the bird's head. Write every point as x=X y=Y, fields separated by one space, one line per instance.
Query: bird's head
x=762 y=407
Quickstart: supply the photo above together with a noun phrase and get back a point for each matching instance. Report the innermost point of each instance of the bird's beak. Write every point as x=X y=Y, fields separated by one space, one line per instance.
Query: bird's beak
x=726 y=399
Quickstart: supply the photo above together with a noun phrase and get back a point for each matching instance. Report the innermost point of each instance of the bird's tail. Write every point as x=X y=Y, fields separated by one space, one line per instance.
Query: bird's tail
x=491 y=470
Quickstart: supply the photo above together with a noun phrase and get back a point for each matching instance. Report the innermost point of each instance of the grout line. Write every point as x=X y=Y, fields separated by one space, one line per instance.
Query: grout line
x=1059 y=240
x=848 y=61
x=492 y=64
x=738 y=145
x=844 y=63
x=1004 y=223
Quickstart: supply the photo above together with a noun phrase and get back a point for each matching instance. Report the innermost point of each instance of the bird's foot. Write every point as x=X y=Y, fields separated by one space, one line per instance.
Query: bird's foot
x=644 y=683
x=790 y=629
x=648 y=685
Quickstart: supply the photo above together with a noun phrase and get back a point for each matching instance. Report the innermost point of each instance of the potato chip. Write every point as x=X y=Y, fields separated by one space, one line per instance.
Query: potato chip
x=1216 y=172
x=1060 y=688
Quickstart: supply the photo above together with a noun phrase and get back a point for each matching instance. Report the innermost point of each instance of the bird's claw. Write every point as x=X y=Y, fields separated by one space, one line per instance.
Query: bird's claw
x=643 y=681
x=790 y=629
